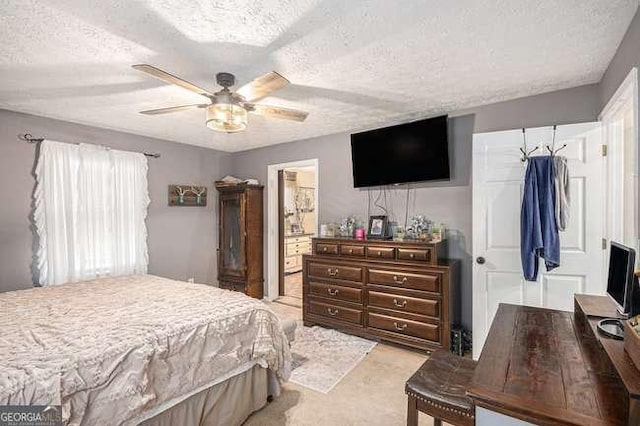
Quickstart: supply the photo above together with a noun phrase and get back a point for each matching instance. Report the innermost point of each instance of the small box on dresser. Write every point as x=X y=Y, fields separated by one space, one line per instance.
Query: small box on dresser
x=400 y=292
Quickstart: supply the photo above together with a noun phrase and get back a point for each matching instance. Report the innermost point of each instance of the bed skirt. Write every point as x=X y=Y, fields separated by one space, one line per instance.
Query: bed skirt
x=223 y=404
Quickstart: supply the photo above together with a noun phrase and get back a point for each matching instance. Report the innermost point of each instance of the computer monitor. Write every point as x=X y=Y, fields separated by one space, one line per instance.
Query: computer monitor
x=621 y=278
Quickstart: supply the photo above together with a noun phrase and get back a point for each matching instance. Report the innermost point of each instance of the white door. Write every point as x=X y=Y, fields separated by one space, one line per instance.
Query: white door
x=498 y=181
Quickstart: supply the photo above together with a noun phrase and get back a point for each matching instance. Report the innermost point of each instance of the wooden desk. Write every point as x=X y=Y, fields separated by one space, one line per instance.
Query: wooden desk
x=547 y=367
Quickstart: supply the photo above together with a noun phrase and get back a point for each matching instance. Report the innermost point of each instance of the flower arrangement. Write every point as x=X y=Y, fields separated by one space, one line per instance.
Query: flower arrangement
x=347 y=225
x=419 y=225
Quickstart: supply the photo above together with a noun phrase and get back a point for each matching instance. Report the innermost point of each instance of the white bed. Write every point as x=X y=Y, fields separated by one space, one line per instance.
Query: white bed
x=140 y=349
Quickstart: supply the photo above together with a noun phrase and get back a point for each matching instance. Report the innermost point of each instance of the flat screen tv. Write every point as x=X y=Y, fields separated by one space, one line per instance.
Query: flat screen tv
x=411 y=152
x=621 y=278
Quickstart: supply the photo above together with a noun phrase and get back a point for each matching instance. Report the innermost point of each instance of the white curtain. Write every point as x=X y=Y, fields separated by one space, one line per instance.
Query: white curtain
x=90 y=209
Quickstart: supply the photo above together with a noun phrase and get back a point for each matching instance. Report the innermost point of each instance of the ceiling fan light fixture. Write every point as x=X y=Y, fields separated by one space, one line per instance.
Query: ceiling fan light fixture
x=226 y=117
x=227 y=110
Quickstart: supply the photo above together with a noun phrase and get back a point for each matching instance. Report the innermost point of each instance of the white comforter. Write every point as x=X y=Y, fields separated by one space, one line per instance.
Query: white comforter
x=111 y=349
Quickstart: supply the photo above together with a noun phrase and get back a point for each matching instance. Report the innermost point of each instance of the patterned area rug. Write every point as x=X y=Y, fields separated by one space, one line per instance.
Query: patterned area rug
x=322 y=357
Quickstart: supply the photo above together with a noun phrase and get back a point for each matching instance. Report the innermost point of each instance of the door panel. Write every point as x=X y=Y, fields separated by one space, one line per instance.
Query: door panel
x=573 y=238
x=498 y=176
x=503 y=228
x=503 y=287
x=232 y=240
x=558 y=290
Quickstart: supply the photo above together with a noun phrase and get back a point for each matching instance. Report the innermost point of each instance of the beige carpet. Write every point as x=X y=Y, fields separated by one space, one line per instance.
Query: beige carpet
x=294 y=302
x=293 y=285
x=371 y=394
x=292 y=290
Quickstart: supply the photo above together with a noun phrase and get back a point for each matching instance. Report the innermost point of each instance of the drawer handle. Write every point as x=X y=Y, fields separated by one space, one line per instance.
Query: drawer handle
x=379 y=253
x=350 y=251
x=332 y=312
x=400 y=327
x=397 y=281
x=324 y=249
x=332 y=292
x=331 y=272
x=398 y=304
x=412 y=255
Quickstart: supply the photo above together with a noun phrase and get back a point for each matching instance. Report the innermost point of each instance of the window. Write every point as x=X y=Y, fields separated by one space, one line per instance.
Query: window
x=90 y=209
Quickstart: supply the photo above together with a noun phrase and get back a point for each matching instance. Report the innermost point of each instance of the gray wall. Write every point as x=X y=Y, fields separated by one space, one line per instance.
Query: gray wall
x=626 y=57
x=182 y=240
x=448 y=202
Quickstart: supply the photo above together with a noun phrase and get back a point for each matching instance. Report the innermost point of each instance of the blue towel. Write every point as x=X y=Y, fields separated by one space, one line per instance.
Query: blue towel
x=538 y=230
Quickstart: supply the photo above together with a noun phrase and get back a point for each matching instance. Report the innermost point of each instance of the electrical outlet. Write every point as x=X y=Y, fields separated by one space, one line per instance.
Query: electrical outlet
x=191 y=280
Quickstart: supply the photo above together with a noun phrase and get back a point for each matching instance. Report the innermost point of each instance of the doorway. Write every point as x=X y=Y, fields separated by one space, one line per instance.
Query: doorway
x=620 y=124
x=292 y=223
x=498 y=176
x=296 y=226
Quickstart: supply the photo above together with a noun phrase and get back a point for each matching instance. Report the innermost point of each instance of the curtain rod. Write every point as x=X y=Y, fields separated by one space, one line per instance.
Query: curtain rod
x=28 y=137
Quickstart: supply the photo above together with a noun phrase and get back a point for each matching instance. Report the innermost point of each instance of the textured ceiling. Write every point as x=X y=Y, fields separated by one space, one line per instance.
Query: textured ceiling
x=353 y=65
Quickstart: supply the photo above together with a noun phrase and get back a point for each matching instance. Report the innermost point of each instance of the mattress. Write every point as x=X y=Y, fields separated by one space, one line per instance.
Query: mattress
x=111 y=349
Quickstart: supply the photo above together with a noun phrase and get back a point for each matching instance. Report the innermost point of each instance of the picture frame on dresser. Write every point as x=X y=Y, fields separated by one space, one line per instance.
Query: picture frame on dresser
x=378 y=227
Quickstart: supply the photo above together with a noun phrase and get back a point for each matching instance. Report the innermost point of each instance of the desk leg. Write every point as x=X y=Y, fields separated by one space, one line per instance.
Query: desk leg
x=412 y=411
x=634 y=412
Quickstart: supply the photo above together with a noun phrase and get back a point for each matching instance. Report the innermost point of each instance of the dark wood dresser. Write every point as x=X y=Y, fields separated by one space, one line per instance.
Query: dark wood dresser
x=400 y=292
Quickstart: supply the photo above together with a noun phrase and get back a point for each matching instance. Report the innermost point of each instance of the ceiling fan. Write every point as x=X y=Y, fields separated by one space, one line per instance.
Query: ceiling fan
x=226 y=111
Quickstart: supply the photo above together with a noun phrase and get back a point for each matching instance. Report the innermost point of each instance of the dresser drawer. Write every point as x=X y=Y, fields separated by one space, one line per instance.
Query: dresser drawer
x=415 y=305
x=291 y=262
x=297 y=240
x=340 y=272
x=381 y=252
x=351 y=250
x=331 y=291
x=341 y=313
x=326 y=248
x=426 y=282
x=306 y=245
x=294 y=250
x=414 y=254
x=406 y=327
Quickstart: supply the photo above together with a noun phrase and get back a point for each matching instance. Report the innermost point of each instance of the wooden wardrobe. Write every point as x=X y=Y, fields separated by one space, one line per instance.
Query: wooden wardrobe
x=240 y=238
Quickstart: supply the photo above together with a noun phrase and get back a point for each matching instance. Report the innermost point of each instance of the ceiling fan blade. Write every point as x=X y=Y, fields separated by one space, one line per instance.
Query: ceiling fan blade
x=171 y=79
x=277 y=112
x=262 y=86
x=172 y=109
